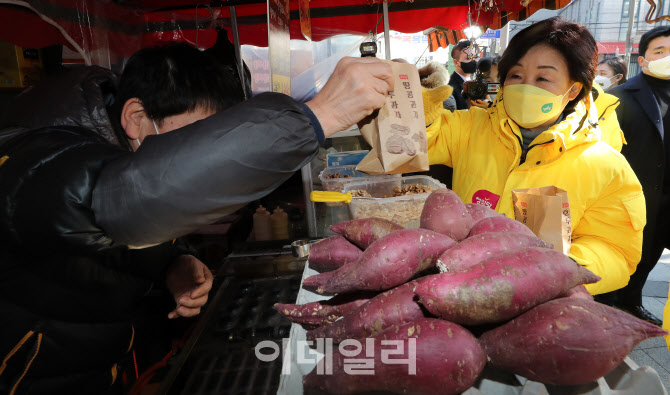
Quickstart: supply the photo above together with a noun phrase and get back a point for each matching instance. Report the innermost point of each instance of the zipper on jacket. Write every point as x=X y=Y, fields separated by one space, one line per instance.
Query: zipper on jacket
x=524 y=152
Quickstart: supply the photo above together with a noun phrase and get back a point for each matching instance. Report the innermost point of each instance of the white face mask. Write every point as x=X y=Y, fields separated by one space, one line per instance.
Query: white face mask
x=659 y=67
x=604 y=82
x=155 y=128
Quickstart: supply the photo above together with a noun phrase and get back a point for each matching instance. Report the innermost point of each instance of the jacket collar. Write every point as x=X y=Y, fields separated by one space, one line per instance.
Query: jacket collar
x=641 y=91
x=577 y=128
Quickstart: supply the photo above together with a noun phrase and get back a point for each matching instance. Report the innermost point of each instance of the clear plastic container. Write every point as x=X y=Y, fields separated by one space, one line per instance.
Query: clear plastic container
x=347 y=174
x=404 y=210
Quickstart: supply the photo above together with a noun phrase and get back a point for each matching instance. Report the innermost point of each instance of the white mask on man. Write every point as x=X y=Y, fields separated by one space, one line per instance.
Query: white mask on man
x=155 y=128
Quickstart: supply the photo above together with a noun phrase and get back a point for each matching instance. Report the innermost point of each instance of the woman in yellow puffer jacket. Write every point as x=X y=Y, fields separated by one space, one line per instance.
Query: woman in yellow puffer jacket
x=542 y=130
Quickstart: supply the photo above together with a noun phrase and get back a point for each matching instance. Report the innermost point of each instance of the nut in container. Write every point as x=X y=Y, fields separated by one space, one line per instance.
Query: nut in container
x=399 y=200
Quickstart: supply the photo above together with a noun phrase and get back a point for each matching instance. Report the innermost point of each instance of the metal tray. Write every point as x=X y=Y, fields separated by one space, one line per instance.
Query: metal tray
x=219 y=356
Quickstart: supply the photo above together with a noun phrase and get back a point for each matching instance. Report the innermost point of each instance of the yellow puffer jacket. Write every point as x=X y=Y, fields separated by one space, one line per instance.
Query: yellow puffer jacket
x=666 y=320
x=608 y=123
x=606 y=202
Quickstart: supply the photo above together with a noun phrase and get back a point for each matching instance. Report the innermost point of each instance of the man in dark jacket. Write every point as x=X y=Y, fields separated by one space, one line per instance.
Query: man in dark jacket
x=93 y=191
x=465 y=67
x=644 y=118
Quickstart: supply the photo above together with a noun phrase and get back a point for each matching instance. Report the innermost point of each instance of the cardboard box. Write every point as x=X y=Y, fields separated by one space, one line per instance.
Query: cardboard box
x=19 y=67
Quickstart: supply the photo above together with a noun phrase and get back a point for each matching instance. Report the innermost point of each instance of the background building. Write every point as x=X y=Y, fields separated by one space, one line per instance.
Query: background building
x=608 y=22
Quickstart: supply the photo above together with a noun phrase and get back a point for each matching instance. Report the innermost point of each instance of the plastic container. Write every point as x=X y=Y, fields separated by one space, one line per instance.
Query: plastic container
x=403 y=210
x=279 y=222
x=262 y=224
x=347 y=174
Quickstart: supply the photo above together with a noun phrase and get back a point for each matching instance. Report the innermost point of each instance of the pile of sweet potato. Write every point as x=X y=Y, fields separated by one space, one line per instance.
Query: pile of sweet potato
x=466 y=270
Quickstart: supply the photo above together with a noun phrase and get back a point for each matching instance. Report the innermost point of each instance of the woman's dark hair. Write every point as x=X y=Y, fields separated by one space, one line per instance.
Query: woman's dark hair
x=571 y=40
x=618 y=67
x=176 y=78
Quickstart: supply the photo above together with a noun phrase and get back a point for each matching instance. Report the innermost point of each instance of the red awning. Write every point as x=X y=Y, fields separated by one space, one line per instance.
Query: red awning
x=126 y=27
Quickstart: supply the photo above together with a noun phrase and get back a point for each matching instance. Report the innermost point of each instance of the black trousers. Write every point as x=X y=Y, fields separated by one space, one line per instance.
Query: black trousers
x=655 y=239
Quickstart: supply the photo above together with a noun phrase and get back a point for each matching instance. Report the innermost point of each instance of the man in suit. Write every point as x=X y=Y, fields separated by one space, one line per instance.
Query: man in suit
x=644 y=118
x=465 y=66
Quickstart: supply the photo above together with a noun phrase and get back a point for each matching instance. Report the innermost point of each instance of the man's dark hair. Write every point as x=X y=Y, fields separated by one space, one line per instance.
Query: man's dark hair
x=495 y=60
x=571 y=40
x=176 y=78
x=460 y=46
x=659 y=31
x=618 y=66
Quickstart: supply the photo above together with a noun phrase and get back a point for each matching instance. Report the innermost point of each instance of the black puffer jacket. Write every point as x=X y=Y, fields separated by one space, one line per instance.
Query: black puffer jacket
x=76 y=202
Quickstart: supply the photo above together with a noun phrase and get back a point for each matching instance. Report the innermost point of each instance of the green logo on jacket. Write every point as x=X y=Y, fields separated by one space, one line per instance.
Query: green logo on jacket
x=547 y=107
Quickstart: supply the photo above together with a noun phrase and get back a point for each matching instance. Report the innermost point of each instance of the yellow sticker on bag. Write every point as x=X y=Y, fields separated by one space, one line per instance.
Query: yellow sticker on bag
x=3 y=160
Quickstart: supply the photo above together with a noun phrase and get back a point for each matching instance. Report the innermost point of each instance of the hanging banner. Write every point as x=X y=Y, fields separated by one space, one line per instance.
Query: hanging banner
x=279 y=45
x=305 y=19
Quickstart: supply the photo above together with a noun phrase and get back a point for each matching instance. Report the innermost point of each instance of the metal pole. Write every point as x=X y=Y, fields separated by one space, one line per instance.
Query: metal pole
x=236 y=41
x=387 y=39
x=504 y=38
x=307 y=187
x=629 y=38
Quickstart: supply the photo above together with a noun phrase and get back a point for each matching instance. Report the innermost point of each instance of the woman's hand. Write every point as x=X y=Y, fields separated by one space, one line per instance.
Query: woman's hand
x=189 y=280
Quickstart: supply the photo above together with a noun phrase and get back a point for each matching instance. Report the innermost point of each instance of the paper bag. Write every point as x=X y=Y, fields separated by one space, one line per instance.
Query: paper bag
x=546 y=211
x=397 y=132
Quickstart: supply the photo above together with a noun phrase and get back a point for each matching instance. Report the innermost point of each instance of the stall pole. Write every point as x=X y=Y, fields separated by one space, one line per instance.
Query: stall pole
x=387 y=39
x=236 y=41
x=629 y=33
x=307 y=187
x=504 y=38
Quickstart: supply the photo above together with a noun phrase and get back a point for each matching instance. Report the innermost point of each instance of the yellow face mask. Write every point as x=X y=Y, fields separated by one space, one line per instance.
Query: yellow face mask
x=530 y=106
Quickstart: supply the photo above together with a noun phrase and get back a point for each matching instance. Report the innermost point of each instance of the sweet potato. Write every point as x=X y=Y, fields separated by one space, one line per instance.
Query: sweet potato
x=393 y=307
x=323 y=312
x=444 y=212
x=499 y=224
x=478 y=212
x=501 y=287
x=448 y=360
x=390 y=261
x=364 y=232
x=332 y=253
x=578 y=292
x=475 y=249
x=566 y=341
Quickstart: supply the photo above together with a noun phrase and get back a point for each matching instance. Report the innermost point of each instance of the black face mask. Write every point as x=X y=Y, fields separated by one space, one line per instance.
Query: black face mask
x=469 y=67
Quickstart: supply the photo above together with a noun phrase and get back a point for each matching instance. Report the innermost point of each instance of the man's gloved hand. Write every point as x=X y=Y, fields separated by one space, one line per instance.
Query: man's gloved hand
x=189 y=280
x=357 y=87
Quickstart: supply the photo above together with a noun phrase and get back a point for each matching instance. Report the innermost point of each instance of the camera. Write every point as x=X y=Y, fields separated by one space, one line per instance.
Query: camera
x=478 y=88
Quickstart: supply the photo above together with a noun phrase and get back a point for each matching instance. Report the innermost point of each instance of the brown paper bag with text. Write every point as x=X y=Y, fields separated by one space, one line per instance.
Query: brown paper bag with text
x=546 y=211
x=397 y=132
